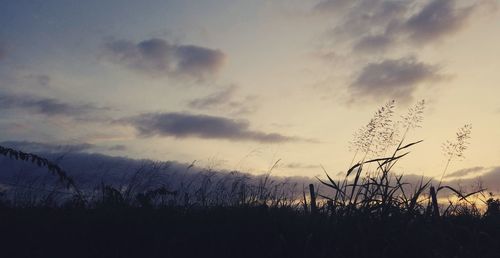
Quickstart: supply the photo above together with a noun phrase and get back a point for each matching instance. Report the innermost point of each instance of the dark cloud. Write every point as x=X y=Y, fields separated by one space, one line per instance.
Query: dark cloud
x=48 y=106
x=394 y=78
x=438 y=19
x=375 y=43
x=38 y=147
x=465 y=172
x=182 y=125
x=490 y=180
x=92 y=170
x=372 y=25
x=198 y=61
x=62 y=148
x=370 y=28
x=159 y=57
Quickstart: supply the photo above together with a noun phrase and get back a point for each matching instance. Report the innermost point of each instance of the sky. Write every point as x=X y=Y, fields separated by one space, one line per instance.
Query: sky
x=240 y=84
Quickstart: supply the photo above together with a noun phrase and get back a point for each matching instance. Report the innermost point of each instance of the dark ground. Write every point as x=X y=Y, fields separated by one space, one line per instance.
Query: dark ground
x=238 y=232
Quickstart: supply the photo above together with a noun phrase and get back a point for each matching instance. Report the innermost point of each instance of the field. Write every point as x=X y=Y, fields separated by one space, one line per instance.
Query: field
x=240 y=232
x=370 y=212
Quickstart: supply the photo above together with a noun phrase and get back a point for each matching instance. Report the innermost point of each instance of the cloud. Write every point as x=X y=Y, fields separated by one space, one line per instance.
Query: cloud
x=214 y=100
x=42 y=79
x=372 y=25
x=225 y=100
x=2 y=53
x=489 y=179
x=118 y=147
x=437 y=19
x=159 y=57
x=373 y=43
x=486 y=178
x=298 y=165
x=365 y=30
x=465 y=172
x=333 y=5
x=38 y=147
x=91 y=169
x=368 y=18
x=394 y=78
x=61 y=147
x=197 y=61
x=181 y=125
x=148 y=56
x=48 y=106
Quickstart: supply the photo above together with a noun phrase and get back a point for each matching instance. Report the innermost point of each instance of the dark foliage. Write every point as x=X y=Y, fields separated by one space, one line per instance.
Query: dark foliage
x=238 y=232
x=370 y=213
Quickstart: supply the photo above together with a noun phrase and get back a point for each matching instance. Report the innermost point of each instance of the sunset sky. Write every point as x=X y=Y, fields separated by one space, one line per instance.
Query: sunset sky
x=240 y=84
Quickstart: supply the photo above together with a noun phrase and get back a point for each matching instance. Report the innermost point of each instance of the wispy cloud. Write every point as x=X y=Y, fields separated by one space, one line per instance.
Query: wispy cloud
x=465 y=172
x=225 y=100
x=49 y=106
x=368 y=18
x=183 y=125
x=159 y=57
x=298 y=165
x=214 y=100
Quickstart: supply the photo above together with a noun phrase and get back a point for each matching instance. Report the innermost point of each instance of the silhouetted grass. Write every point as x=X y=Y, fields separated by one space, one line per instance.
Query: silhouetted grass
x=371 y=212
x=239 y=232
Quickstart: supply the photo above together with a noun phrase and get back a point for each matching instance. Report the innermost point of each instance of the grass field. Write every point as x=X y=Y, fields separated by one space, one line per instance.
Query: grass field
x=370 y=212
